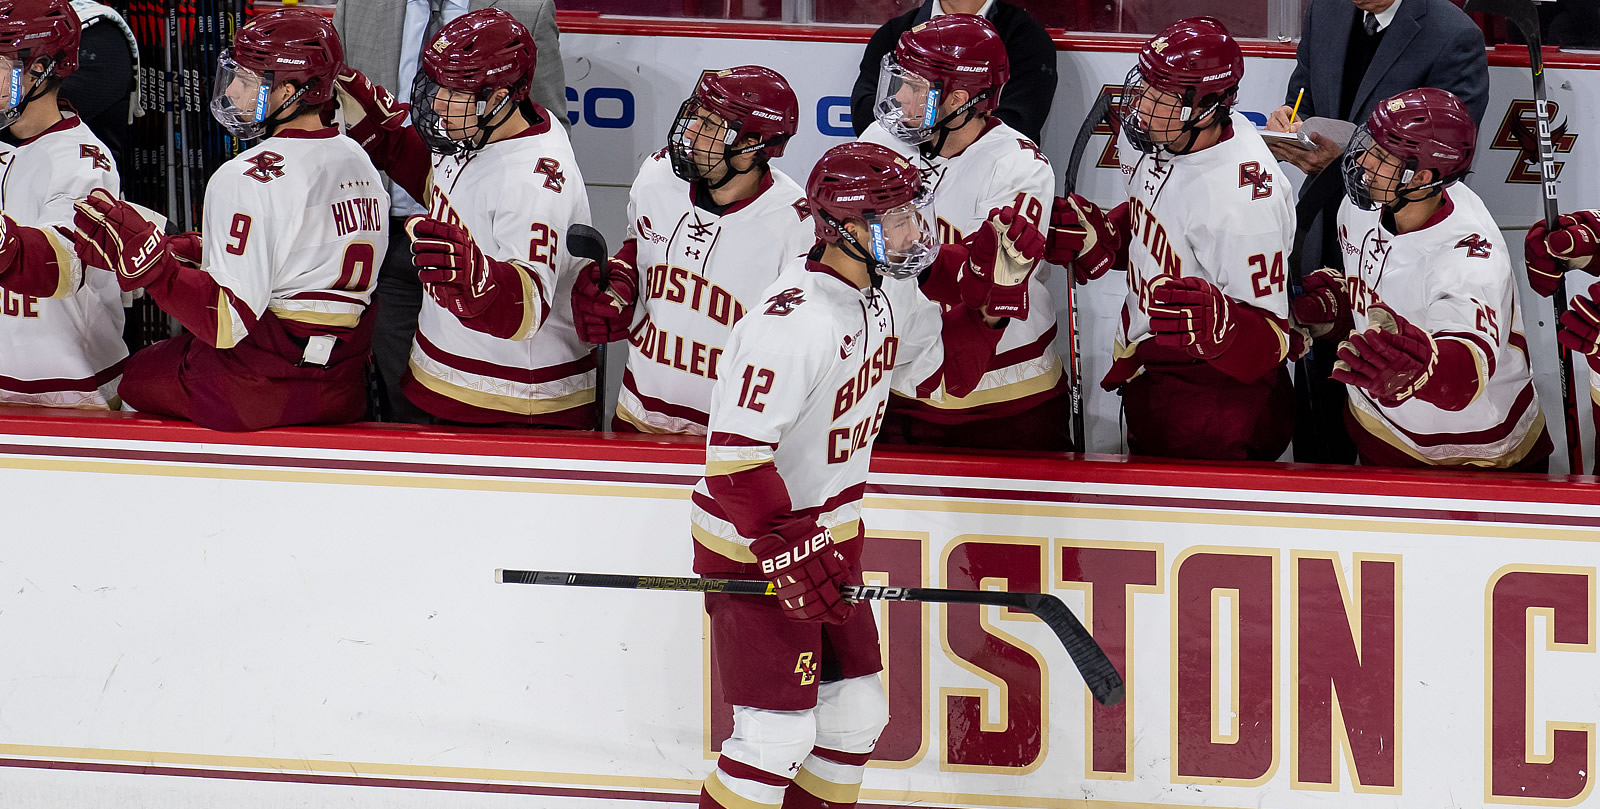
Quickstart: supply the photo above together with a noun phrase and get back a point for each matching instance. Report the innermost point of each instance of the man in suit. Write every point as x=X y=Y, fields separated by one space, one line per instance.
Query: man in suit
x=382 y=39
x=1353 y=54
x=1025 y=100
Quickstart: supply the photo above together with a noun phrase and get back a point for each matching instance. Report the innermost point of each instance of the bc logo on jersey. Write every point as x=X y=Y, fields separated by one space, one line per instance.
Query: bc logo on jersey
x=784 y=302
x=265 y=167
x=806 y=669
x=1476 y=246
x=551 y=169
x=92 y=153
x=1260 y=182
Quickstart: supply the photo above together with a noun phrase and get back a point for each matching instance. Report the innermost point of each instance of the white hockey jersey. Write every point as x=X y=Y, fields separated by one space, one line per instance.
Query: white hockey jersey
x=65 y=351
x=1002 y=167
x=516 y=197
x=804 y=387
x=296 y=225
x=1453 y=279
x=1225 y=214
x=699 y=274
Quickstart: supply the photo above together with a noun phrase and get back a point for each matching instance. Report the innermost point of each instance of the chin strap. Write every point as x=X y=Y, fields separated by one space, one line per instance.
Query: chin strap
x=40 y=80
x=852 y=248
x=272 y=122
x=942 y=128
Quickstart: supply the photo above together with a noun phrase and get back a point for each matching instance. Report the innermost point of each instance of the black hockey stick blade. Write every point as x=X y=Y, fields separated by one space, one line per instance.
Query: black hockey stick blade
x=1080 y=144
x=584 y=241
x=1104 y=682
x=1521 y=13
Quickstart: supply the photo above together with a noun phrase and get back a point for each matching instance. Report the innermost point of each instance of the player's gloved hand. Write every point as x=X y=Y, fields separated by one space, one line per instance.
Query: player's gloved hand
x=1085 y=238
x=1392 y=360
x=808 y=571
x=1575 y=241
x=604 y=316
x=361 y=100
x=450 y=266
x=1001 y=255
x=1324 y=299
x=1191 y=314
x=1580 y=327
x=109 y=233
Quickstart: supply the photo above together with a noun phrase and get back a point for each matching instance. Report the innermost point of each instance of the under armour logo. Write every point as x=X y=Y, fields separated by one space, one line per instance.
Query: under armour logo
x=265 y=167
x=692 y=252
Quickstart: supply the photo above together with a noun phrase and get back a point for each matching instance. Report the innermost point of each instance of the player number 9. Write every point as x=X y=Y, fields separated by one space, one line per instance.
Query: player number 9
x=238 y=234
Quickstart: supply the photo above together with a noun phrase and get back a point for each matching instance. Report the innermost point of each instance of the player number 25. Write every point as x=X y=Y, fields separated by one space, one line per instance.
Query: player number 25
x=757 y=382
x=1267 y=279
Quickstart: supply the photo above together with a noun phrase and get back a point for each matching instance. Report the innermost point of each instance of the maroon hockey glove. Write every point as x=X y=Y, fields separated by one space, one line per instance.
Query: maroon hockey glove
x=1580 y=327
x=367 y=106
x=450 y=266
x=1575 y=240
x=604 y=316
x=1191 y=314
x=1085 y=238
x=808 y=571
x=1324 y=301
x=1392 y=360
x=109 y=233
x=1001 y=256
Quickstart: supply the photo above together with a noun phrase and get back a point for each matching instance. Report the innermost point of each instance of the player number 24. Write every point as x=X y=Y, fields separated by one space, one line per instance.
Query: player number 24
x=1267 y=278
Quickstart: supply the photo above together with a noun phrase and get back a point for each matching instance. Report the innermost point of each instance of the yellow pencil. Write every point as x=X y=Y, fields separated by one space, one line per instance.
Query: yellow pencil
x=1296 y=110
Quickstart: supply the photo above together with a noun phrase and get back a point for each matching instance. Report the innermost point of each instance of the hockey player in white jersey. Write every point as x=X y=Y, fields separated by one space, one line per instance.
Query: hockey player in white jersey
x=936 y=99
x=274 y=290
x=495 y=340
x=794 y=415
x=1205 y=234
x=60 y=328
x=1437 y=366
x=710 y=223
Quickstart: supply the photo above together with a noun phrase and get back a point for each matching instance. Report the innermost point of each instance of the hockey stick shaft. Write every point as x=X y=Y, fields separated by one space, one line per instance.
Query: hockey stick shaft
x=585 y=242
x=1525 y=16
x=1099 y=674
x=1097 y=113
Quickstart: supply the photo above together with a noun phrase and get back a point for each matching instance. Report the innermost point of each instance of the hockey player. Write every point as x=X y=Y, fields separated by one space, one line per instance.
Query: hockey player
x=936 y=100
x=793 y=419
x=502 y=187
x=60 y=328
x=710 y=223
x=1437 y=364
x=275 y=295
x=1205 y=231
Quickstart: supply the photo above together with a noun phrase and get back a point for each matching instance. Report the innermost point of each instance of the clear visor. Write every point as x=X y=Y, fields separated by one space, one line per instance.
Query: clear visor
x=15 y=85
x=239 y=99
x=907 y=105
x=903 y=239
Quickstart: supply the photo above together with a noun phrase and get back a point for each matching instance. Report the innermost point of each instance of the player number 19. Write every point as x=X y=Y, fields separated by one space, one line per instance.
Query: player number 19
x=1267 y=279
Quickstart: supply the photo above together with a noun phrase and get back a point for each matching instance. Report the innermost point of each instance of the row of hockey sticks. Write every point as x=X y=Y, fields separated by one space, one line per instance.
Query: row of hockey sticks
x=1104 y=683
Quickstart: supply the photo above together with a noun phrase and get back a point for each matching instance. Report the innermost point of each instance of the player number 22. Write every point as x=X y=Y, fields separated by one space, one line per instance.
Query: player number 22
x=1266 y=278
x=757 y=382
x=542 y=246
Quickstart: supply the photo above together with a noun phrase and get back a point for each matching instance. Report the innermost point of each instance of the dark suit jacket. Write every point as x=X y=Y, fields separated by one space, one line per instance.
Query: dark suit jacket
x=1024 y=101
x=1430 y=43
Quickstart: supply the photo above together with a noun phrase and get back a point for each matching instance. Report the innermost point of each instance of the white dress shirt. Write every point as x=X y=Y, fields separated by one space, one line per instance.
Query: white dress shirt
x=417 y=14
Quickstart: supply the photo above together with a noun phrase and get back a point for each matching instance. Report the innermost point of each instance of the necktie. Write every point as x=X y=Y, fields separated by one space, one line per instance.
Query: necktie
x=1371 y=24
x=436 y=20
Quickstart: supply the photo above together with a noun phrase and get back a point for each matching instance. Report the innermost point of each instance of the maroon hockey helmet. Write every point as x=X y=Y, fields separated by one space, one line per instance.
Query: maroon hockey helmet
x=31 y=30
x=870 y=183
x=292 y=45
x=477 y=54
x=959 y=52
x=749 y=100
x=1426 y=129
x=1196 y=65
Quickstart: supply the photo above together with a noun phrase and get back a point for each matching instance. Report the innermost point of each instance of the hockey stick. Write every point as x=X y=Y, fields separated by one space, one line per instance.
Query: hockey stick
x=585 y=242
x=1104 y=683
x=1523 y=15
x=1097 y=113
